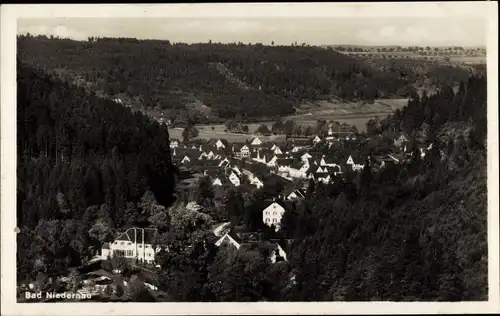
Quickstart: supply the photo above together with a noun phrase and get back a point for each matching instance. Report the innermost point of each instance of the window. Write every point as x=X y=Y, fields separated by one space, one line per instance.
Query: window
x=267 y=220
x=129 y=243
x=274 y=213
x=140 y=246
x=122 y=243
x=274 y=220
x=130 y=253
x=115 y=243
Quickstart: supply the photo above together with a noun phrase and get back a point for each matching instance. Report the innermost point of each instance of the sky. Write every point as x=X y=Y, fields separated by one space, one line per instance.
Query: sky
x=440 y=30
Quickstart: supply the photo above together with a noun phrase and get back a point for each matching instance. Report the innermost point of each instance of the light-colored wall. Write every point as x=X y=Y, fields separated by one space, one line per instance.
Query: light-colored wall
x=273 y=214
x=147 y=253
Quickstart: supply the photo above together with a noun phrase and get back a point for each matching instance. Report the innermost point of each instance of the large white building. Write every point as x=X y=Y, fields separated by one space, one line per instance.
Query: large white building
x=135 y=243
x=273 y=214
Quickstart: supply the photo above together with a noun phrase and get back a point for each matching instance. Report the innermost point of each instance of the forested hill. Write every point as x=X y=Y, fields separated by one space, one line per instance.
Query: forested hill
x=416 y=231
x=83 y=164
x=228 y=79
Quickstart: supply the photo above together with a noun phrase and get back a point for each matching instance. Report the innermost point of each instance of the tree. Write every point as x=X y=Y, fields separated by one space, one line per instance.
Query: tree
x=119 y=263
x=263 y=129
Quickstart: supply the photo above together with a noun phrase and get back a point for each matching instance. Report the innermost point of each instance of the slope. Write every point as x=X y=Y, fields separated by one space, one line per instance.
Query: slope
x=249 y=80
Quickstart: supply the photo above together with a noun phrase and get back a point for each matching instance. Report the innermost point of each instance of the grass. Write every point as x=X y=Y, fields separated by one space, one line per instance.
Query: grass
x=352 y=113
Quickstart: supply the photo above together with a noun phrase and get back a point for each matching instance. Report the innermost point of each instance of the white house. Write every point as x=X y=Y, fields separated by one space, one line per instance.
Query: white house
x=305 y=157
x=210 y=155
x=193 y=147
x=274 y=147
x=277 y=151
x=296 y=194
x=186 y=159
x=174 y=143
x=245 y=151
x=272 y=162
x=255 y=181
x=296 y=149
x=255 y=141
x=237 y=170
x=219 y=144
x=321 y=170
x=217 y=182
x=316 y=139
x=203 y=156
x=273 y=214
x=259 y=158
x=235 y=180
x=135 y=243
x=278 y=254
x=230 y=239
x=224 y=162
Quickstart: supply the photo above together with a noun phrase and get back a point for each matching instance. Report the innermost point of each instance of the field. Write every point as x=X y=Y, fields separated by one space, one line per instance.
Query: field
x=308 y=114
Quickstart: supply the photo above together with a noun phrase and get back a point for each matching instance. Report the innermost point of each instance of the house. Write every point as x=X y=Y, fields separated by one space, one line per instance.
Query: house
x=203 y=156
x=326 y=162
x=237 y=170
x=185 y=160
x=278 y=254
x=255 y=181
x=277 y=151
x=272 y=162
x=235 y=180
x=316 y=139
x=259 y=158
x=200 y=149
x=273 y=214
x=255 y=141
x=354 y=166
x=210 y=155
x=224 y=163
x=321 y=170
x=229 y=238
x=217 y=182
x=244 y=152
x=305 y=157
x=296 y=194
x=274 y=147
x=135 y=243
x=174 y=143
x=220 y=144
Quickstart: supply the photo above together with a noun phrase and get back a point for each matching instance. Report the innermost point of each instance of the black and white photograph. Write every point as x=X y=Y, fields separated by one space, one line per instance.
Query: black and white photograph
x=234 y=153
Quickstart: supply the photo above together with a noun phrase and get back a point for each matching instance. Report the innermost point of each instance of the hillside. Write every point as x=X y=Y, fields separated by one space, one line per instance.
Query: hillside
x=85 y=165
x=231 y=79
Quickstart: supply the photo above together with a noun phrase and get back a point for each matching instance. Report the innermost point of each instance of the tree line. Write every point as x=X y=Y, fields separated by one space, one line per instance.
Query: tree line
x=249 y=80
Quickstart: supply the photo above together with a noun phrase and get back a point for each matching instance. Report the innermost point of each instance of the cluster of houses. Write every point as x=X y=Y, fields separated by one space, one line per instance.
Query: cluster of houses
x=220 y=160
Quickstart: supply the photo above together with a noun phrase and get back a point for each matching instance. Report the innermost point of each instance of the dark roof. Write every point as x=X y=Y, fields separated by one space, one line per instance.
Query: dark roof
x=138 y=235
x=285 y=161
x=105 y=245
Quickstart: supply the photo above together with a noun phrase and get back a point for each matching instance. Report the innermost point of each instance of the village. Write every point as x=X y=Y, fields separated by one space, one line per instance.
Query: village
x=282 y=170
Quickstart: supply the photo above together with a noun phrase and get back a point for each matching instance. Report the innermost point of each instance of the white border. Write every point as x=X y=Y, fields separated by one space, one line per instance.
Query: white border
x=9 y=16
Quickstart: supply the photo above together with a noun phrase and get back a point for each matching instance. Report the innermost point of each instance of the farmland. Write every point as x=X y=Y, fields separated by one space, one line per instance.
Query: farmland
x=351 y=113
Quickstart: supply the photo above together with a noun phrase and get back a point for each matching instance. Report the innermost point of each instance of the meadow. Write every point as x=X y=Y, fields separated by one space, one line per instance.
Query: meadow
x=352 y=113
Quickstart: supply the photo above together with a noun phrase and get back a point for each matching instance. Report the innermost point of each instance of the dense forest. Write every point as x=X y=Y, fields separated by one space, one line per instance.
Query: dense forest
x=231 y=80
x=85 y=165
x=88 y=167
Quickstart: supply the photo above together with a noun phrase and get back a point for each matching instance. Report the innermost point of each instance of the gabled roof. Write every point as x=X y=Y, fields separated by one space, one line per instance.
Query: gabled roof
x=138 y=235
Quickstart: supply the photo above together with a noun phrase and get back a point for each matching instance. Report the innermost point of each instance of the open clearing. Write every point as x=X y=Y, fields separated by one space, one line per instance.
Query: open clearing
x=354 y=113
